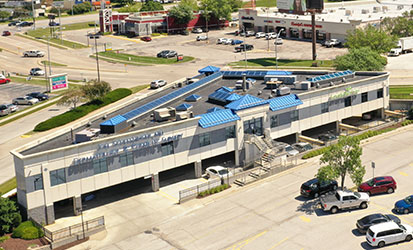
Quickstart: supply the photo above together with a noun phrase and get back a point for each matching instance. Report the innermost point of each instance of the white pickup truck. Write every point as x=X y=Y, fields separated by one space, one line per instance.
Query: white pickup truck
x=344 y=200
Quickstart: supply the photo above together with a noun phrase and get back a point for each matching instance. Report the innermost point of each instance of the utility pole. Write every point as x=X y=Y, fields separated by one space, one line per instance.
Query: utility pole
x=314 y=38
x=48 y=56
x=60 y=27
x=34 y=19
x=97 y=55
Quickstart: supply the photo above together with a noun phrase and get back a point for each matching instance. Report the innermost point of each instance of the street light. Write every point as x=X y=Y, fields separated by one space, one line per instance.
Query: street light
x=96 y=36
x=276 y=50
x=244 y=45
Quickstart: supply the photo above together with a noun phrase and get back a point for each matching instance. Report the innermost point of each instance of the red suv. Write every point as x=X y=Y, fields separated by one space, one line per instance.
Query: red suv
x=383 y=184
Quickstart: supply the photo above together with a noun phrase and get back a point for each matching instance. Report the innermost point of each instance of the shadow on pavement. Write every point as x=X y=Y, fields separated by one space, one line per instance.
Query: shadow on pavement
x=309 y=206
x=366 y=245
x=357 y=233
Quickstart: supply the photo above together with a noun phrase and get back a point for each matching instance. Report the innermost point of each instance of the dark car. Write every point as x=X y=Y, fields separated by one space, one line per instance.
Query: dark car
x=39 y=96
x=14 y=23
x=367 y=221
x=146 y=38
x=244 y=47
x=24 y=24
x=382 y=184
x=327 y=137
x=167 y=53
x=53 y=23
x=404 y=206
x=185 y=32
x=6 y=33
x=314 y=188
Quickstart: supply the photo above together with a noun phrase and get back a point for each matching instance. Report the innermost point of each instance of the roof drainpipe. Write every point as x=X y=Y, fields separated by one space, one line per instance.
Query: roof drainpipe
x=244 y=85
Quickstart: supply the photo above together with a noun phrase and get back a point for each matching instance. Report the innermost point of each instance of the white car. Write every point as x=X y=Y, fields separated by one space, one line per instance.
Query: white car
x=157 y=84
x=33 y=53
x=36 y=72
x=270 y=36
x=291 y=151
x=222 y=40
x=388 y=233
x=302 y=146
x=197 y=30
x=259 y=35
x=201 y=38
x=228 y=41
x=25 y=100
x=278 y=41
x=218 y=171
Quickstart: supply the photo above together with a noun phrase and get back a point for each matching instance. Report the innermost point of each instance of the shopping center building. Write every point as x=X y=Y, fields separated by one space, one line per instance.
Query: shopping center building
x=186 y=124
x=334 y=22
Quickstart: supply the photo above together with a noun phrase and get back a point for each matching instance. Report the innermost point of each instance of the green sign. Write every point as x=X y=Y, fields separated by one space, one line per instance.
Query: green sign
x=348 y=92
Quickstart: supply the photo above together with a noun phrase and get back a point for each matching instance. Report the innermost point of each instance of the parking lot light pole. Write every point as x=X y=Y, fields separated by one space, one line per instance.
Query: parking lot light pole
x=48 y=55
x=80 y=209
x=276 y=50
x=95 y=36
x=245 y=46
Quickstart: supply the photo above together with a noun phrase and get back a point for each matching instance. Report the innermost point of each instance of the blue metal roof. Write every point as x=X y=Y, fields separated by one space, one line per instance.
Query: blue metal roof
x=279 y=72
x=255 y=73
x=183 y=107
x=209 y=69
x=213 y=109
x=217 y=118
x=284 y=102
x=233 y=97
x=114 y=121
x=219 y=95
x=331 y=76
x=193 y=98
x=227 y=89
x=246 y=101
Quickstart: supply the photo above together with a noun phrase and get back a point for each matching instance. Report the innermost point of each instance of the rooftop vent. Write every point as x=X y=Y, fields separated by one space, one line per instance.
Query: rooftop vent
x=164 y=114
x=364 y=11
x=86 y=135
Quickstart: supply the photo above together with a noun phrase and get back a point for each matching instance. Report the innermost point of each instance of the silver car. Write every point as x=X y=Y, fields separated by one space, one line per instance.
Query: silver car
x=27 y=100
x=12 y=108
x=4 y=110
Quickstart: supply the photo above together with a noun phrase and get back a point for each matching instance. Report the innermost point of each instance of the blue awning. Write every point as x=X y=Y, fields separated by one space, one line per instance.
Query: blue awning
x=114 y=121
x=284 y=102
x=183 y=107
x=213 y=109
x=233 y=97
x=193 y=98
x=226 y=89
x=217 y=118
x=246 y=101
x=209 y=69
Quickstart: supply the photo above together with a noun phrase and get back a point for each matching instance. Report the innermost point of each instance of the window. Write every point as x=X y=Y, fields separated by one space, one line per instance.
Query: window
x=364 y=97
x=346 y=198
x=230 y=132
x=167 y=148
x=253 y=126
x=57 y=177
x=380 y=93
x=204 y=139
x=324 y=107
x=274 y=121
x=100 y=166
x=126 y=159
x=38 y=182
x=347 y=101
x=294 y=115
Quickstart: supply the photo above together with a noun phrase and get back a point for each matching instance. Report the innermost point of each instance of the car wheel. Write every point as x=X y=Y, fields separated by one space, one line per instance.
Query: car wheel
x=381 y=244
x=316 y=195
x=7 y=81
x=30 y=103
x=409 y=237
x=15 y=103
x=369 y=193
x=406 y=211
x=390 y=190
x=334 y=210
x=363 y=205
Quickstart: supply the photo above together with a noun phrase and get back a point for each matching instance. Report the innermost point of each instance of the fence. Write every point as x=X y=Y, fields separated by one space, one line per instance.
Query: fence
x=193 y=192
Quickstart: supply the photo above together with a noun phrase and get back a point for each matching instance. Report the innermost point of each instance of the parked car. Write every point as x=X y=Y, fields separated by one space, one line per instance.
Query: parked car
x=197 y=30
x=222 y=40
x=201 y=38
x=250 y=33
x=184 y=32
x=244 y=47
x=146 y=38
x=388 y=233
x=331 y=43
x=25 y=100
x=14 y=23
x=4 y=80
x=228 y=41
x=381 y=184
x=236 y=42
x=167 y=53
x=157 y=84
x=278 y=41
x=36 y=72
x=53 y=23
x=24 y=24
x=327 y=137
x=290 y=150
x=367 y=221
x=4 y=110
x=314 y=188
x=218 y=171
x=39 y=96
x=344 y=200
x=302 y=146
x=12 y=108
x=259 y=34
x=33 y=53
x=237 y=32
x=404 y=206
x=6 y=33
x=270 y=36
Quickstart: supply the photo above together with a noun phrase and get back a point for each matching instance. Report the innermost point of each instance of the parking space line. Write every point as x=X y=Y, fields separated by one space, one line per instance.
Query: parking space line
x=239 y=245
x=403 y=173
x=279 y=243
x=25 y=136
x=397 y=245
x=167 y=196
x=305 y=218
x=202 y=179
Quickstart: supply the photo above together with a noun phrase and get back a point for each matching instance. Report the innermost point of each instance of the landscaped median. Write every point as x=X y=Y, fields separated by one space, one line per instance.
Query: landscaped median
x=401 y=92
x=113 y=56
x=270 y=62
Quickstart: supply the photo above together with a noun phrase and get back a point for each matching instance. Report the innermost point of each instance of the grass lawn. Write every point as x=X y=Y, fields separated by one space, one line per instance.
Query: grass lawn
x=401 y=92
x=8 y=185
x=139 y=88
x=266 y=62
x=262 y=3
x=53 y=64
x=143 y=59
x=34 y=81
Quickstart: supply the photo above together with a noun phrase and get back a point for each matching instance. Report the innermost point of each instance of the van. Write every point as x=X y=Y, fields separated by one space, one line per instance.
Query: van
x=388 y=233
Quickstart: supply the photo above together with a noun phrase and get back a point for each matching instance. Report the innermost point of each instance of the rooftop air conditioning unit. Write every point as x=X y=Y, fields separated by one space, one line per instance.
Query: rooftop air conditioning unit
x=400 y=7
x=184 y=115
x=364 y=11
x=304 y=85
x=87 y=134
x=164 y=114
x=376 y=9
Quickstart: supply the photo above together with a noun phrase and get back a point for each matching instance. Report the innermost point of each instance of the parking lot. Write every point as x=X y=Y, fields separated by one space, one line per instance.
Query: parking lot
x=13 y=90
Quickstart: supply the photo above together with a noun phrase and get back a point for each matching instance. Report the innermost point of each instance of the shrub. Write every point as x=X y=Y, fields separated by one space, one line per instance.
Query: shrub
x=407 y=122
x=213 y=190
x=27 y=231
x=9 y=215
x=82 y=110
x=4 y=238
x=155 y=34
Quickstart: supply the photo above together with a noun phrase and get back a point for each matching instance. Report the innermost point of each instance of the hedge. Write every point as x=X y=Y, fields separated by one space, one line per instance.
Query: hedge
x=82 y=110
x=363 y=136
x=407 y=122
x=213 y=190
x=27 y=231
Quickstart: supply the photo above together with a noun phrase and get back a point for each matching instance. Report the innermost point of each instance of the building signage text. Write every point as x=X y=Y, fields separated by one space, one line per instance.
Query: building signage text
x=305 y=25
x=347 y=92
x=247 y=18
x=267 y=21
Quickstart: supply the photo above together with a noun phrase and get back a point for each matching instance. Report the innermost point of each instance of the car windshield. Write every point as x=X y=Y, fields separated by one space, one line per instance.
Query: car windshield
x=288 y=148
x=370 y=182
x=402 y=227
x=357 y=194
x=223 y=171
x=407 y=200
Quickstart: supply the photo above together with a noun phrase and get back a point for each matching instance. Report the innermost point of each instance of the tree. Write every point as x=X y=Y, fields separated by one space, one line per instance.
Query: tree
x=131 y=8
x=371 y=37
x=10 y=217
x=151 y=6
x=80 y=8
x=122 y=3
x=220 y=9
x=94 y=89
x=235 y=5
x=363 y=59
x=72 y=97
x=401 y=26
x=343 y=158
x=182 y=13
x=191 y=3
x=4 y=15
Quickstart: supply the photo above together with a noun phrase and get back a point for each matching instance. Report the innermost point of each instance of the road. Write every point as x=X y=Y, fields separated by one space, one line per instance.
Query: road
x=268 y=214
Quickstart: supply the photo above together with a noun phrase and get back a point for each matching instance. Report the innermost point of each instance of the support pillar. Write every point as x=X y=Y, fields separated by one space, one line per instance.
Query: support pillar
x=77 y=205
x=297 y=136
x=338 y=127
x=198 y=169
x=50 y=218
x=155 y=182
x=287 y=33
x=300 y=33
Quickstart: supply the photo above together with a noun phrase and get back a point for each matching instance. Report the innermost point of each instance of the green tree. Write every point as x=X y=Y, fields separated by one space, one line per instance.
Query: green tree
x=182 y=13
x=341 y=159
x=363 y=59
x=10 y=217
x=131 y=8
x=72 y=97
x=191 y=3
x=151 y=6
x=95 y=90
x=220 y=9
x=401 y=26
x=371 y=37
x=235 y=5
x=80 y=8
x=123 y=2
x=4 y=15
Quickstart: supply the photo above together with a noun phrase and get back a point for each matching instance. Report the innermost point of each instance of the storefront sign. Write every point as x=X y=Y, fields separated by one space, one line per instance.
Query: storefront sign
x=348 y=92
x=305 y=25
x=129 y=144
x=247 y=18
x=267 y=21
x=280 y=21
x=58 y=82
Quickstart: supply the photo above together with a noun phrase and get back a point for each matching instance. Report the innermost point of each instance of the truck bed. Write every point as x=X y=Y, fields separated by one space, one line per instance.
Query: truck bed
x=329 y=199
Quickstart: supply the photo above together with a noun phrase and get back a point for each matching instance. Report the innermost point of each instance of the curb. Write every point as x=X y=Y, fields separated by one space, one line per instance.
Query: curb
x=43 y=41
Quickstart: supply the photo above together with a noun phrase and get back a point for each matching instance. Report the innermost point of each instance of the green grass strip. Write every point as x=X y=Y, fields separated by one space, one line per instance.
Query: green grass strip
x=55 y=64
x=33 y=81
x=401 y=92
x=118 y=61
x=8 y=185
x=125 y=58
x=42 y=41
x=139 y=88
x=271 y=62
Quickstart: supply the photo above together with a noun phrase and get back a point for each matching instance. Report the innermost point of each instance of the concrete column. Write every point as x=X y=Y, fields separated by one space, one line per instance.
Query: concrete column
x=239 y=135
x=77 y=205
x=338 y=126
x=50 y=218
x=288 y=33
x=198 y=169
x=297 y=135
x=300 y=33
x=381 y=113
x=155 y=182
